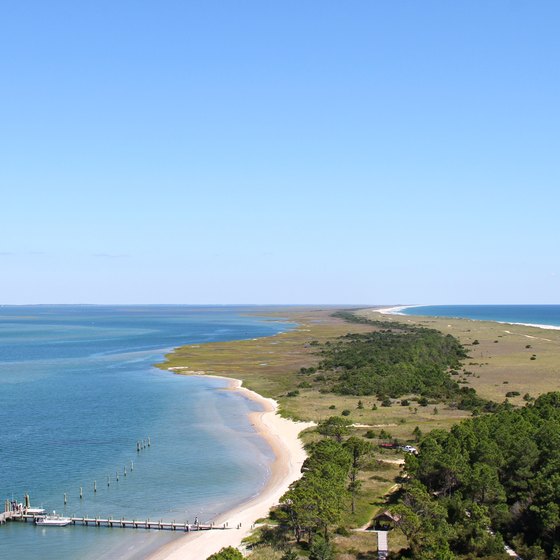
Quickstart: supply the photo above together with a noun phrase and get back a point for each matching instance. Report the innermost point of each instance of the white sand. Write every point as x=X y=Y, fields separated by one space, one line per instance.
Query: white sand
x=395 y=310
x=549 y=327
x=282 y=436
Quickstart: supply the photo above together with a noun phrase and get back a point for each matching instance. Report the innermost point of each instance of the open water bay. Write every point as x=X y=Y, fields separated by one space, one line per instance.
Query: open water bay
x=78 y=390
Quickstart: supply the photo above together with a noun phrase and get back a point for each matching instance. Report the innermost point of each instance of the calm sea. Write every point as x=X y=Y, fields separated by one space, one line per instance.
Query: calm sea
x=533 y=314
x=78 y=390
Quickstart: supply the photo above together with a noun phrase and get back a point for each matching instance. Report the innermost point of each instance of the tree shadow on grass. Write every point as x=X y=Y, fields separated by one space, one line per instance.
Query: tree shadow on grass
x=369 y=555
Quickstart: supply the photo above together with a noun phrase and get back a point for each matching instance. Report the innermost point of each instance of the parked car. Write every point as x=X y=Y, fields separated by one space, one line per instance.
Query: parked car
x=409 y=449
x=389 y=445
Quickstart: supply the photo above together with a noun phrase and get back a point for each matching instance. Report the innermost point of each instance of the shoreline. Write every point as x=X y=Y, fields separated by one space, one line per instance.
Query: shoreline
x=283 y=437
x=397 y=310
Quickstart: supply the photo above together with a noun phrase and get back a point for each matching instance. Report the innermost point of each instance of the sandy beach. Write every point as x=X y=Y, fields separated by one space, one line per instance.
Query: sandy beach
x=395 y=310
x=282 y=436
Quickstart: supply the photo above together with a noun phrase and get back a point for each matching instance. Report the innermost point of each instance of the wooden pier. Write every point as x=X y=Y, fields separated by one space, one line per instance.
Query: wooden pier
x=8 y=516
x=122 y=523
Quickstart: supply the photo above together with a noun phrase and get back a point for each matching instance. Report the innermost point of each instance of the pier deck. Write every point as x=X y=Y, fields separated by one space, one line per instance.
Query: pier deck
x=122 y=523
x=8 y=516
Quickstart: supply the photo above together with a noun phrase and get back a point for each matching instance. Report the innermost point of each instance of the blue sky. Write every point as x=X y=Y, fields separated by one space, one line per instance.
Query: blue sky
x=279 y=152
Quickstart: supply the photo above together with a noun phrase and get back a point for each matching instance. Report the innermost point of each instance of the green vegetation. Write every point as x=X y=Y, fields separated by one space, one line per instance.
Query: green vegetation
x=335 y=427
x=499 y=471
x=395 y=360
x=229 y=553
x=316 y=503
x=494 y=363
x=359 y=451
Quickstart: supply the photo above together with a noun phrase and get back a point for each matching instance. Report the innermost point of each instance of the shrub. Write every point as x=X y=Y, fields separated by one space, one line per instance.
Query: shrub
x=345 y=412
x=343 y=531
x=229 y=553
x=335 y=427
x=386 y=402
x=321 y=549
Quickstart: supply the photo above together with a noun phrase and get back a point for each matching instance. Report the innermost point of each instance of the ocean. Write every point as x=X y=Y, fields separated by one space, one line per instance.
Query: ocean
x=546 y=315
x=77 y=391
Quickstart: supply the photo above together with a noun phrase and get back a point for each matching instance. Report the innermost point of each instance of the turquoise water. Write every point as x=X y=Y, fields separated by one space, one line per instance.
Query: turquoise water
x=532 y=314
x=78 y=390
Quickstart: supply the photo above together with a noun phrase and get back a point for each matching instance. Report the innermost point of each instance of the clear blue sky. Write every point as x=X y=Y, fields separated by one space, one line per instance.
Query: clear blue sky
x=279 y=152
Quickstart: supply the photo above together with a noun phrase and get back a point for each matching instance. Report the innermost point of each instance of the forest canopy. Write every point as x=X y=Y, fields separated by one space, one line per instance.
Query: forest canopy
x=395 y=360
x=498 y=472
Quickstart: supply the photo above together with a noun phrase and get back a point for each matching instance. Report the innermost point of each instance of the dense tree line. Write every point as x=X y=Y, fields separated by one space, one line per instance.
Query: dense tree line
x=396 y=359
x=315 y=504
x=492 y=477
x=317 y=500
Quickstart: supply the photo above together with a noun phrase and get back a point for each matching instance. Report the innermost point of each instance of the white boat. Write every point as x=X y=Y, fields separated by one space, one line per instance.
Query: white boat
x=53 y=520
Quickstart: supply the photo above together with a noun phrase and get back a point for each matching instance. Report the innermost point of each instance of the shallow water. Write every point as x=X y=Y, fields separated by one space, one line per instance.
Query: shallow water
x=78 y=390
